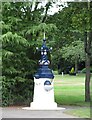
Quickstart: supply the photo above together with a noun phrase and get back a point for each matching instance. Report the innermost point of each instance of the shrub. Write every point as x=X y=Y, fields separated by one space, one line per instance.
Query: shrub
x=84 y=70
x=16 y=92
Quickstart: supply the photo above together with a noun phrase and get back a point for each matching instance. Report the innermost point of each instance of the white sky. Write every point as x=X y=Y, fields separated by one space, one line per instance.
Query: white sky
x=55 y=8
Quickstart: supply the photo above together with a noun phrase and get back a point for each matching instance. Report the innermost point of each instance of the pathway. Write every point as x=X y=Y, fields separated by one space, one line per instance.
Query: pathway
x=18 y=112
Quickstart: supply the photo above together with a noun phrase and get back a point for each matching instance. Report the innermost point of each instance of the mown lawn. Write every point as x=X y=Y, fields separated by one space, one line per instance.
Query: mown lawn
x=70 y=90
x=82 y=112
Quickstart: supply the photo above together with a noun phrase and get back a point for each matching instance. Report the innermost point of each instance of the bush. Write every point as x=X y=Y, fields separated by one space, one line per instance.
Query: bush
x=84 y=70
x=17 y=80
x=16 y=92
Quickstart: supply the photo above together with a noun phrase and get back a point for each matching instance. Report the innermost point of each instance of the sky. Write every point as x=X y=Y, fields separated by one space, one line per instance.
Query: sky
x=54 y=8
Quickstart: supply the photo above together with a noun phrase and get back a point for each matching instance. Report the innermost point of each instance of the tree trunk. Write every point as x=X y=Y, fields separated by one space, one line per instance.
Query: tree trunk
x=76 y=66
x=87 y=79
x=88 y=37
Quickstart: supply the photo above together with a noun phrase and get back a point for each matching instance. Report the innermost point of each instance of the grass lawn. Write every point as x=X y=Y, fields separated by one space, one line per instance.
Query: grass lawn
x=82 y=113
x=70 y=90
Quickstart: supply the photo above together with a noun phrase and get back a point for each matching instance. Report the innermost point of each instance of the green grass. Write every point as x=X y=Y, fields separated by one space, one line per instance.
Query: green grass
x=82 y=112
x=70 y=90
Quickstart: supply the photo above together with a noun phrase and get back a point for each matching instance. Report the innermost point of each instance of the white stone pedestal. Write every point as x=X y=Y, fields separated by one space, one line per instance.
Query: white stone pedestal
x=43 y=99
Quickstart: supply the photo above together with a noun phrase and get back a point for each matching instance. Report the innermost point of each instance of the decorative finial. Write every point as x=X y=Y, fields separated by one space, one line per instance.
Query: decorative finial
x=44 y=35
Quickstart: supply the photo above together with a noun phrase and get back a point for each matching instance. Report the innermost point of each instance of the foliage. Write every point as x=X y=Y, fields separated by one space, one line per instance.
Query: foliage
x=0 y=91
x=65 y=36
x=72 y=21
x=16 y=65
x=84 y=70
x=74 y=51
x=22 y=24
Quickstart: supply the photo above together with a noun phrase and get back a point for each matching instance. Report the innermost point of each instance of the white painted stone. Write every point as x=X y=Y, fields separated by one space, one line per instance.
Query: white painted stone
x=37 y=109
x=42 y=98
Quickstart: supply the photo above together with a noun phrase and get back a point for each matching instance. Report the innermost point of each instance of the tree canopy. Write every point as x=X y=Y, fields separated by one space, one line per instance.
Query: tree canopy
x=22 y=31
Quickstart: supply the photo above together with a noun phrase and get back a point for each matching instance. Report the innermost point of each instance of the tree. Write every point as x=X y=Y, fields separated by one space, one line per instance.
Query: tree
x=88 y=47
x=84 y=16
x=74 y=52
x=22 y=31
x=75 y=18
x=65 y=34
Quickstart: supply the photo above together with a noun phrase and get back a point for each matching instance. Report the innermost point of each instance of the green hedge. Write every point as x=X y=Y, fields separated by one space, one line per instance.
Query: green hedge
x=16 y=92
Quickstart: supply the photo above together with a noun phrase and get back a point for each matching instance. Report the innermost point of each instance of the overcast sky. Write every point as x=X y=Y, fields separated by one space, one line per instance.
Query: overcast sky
x=54 y=8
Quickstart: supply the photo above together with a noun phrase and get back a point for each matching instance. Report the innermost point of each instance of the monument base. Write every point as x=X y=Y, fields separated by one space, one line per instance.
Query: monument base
x=30 y=108
x=45 y=105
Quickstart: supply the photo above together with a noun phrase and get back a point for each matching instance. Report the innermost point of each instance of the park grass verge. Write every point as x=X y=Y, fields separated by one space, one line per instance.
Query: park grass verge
x=81 y=112
x=70 y=90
